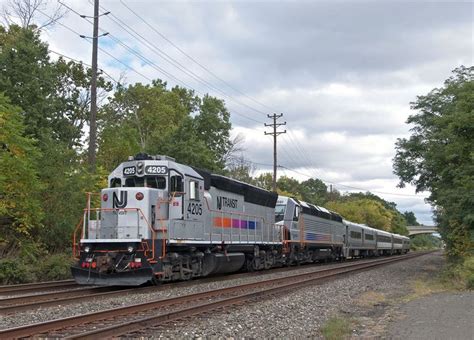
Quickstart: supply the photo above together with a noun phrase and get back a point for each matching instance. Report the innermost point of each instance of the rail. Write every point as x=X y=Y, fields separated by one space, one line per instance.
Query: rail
x=160 y=311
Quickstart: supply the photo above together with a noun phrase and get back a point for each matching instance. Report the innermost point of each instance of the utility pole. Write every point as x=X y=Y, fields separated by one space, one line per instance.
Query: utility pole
x=93 y=114
x=275 y=133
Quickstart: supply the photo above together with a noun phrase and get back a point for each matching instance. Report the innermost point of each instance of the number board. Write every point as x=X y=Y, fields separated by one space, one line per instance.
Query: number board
x=156 y=170
x=129 y=171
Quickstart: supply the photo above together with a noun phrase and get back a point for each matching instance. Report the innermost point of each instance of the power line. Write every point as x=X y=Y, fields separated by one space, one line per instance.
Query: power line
x=352 y=187
x=193 y=59
x=153 y=65
x=78 y=34
x=275 y=134
x=123 y=25
x=183 y=69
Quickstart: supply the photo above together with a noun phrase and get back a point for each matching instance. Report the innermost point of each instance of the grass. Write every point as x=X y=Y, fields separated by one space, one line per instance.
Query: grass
x=370 y=299
x=421 y=288
x=336 y=328
x=453 y=277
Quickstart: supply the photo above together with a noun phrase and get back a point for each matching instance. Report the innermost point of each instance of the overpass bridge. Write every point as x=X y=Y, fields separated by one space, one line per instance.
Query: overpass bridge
x=421 y=229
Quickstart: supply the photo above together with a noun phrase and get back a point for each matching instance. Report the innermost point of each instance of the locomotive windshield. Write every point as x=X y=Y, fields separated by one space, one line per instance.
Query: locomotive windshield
x=279 y=212
x=156 y=182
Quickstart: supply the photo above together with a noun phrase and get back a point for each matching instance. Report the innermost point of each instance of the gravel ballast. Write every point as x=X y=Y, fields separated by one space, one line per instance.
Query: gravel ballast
x=301 y=313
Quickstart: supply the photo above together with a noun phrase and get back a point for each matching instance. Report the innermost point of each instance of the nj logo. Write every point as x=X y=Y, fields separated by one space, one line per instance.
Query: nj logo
x=122 y=203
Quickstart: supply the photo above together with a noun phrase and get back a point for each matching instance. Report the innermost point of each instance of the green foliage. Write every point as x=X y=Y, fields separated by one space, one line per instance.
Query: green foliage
x=366 y=211
x=264 y=181
x=240 y=170
x=53 y=96
x=37 y=266
x=212 y=126
x=19 y=187
x=41 y=135
x=439 y=157
x=314 y=190
x=14 y=271
x=425 y=242
x=156 y=120
x=336 y=328
x=55 y=267
x=459 y=273
x=410 y=218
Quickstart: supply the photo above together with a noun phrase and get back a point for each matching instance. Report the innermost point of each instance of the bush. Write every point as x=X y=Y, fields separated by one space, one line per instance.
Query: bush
x=425 y=242
x=42 y=268
x=55 y=267
x=460 y=274
x=13 y=271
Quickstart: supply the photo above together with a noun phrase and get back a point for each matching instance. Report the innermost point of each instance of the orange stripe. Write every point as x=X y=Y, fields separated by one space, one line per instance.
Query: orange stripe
x=222 y=222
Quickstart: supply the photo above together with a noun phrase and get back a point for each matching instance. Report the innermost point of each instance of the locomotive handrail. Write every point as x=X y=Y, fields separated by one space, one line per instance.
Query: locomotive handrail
x=87 y=212
x=74 y=241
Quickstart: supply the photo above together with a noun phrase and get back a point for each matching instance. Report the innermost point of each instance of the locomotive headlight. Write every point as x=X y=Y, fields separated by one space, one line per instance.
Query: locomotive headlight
x=140 y=168
x=130 y=249
x=87 y=249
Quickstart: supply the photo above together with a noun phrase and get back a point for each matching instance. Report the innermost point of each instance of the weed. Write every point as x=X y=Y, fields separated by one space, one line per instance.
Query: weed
x=370 y=299
x=336 y=328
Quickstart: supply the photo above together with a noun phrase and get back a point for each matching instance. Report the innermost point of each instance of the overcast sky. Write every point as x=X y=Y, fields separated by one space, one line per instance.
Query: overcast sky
x=342 y=72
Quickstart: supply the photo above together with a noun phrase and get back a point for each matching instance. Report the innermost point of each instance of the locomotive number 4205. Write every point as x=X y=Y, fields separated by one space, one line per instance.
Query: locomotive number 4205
x=156 y=170
x=195 y=208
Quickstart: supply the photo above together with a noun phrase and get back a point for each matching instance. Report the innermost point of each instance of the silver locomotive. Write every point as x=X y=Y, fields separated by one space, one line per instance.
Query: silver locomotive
x=160 y=221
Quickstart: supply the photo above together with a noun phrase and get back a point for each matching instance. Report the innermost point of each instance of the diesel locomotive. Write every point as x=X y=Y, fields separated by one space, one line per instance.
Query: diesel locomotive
x=161 y=221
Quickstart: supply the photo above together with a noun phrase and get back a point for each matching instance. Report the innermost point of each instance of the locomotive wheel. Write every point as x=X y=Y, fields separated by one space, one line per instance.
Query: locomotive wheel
x=269 y=260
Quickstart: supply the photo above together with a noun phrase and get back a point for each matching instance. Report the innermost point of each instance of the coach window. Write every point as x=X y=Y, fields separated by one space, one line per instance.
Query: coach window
x=115 y=183
x=194 y=190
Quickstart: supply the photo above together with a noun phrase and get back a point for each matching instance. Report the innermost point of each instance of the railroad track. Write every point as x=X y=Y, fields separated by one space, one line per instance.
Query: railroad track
x=34 y=287
x=33 y=301
x=130 y=319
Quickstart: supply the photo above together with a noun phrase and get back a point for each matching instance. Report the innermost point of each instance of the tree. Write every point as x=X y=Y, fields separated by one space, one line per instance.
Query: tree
x=53 y=96
x=314 y=190
x=156 y=120
x=212 y=125
x=25 y=12
x=438 y=157
x=264 y=181
x=410 y=218
x=20 y=208
x=371 y=210
x=288 y=185
x=240 y=169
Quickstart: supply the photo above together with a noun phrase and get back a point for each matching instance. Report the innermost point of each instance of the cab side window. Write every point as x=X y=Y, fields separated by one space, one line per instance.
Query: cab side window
x=296 y=214
x=176 y=184
x=194 y=190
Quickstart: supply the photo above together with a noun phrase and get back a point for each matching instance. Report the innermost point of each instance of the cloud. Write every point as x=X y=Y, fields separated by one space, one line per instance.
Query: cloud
x=343 y=73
